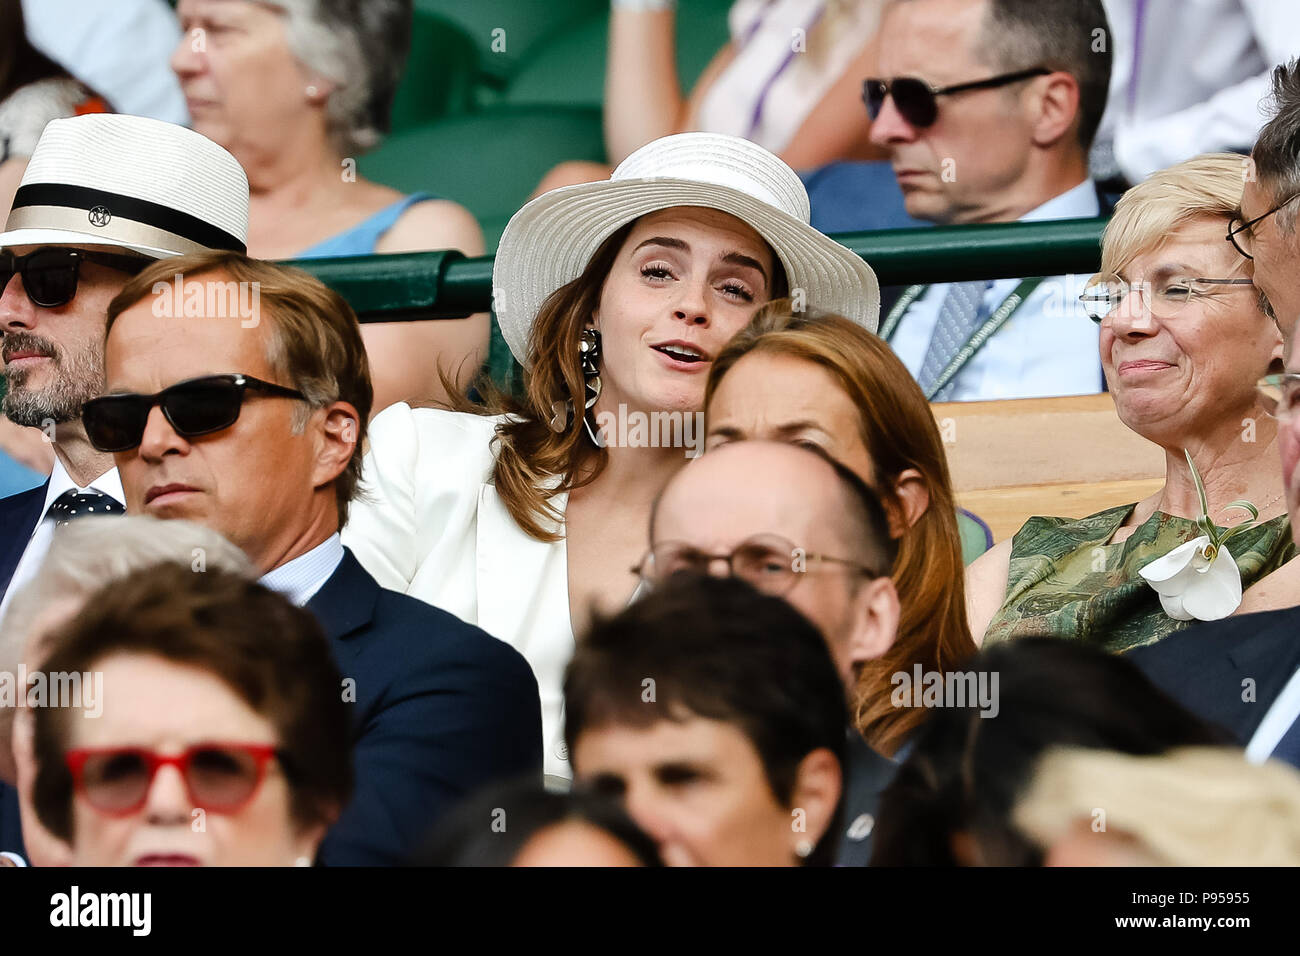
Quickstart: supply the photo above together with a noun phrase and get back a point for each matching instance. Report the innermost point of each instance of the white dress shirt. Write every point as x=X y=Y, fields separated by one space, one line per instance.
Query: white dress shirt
x=300 y=578
x=1202 y=73
x=119 y=48
x=109 y=483
x=431 y=524
x=1048 y=347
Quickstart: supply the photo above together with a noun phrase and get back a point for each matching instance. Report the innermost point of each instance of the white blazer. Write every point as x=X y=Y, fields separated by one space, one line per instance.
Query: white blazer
x=429 y=523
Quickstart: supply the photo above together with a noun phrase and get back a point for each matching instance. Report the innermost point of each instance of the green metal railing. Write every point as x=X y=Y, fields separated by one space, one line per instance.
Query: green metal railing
x=431 y=285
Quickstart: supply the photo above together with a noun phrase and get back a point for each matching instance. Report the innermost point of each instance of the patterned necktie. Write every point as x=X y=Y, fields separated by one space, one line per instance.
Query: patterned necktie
x=75 y=504
x=958 y=319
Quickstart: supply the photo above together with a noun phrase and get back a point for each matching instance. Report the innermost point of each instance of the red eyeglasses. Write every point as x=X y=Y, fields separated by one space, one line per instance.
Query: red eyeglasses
x=219 y=777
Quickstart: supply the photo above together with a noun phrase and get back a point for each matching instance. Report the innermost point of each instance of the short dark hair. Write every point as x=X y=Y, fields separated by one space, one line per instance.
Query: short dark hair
x=1277 y=150
x=1060 y=35
x=315 y=341
x=966 y=771
x=466 y=837
x=868 y=523
x=717 y=649
x=271 y=654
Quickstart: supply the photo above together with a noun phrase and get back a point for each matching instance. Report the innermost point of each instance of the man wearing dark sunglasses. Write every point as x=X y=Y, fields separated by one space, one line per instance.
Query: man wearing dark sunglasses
x=795 y=524
x=102 y=197
x=256 y=431
x=987 y=109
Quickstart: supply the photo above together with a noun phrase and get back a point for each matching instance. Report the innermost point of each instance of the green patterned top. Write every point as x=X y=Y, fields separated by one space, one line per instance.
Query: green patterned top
x=1066 y=581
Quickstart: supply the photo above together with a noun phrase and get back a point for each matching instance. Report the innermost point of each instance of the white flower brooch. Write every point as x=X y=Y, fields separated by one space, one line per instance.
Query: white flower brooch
x=1200 y=580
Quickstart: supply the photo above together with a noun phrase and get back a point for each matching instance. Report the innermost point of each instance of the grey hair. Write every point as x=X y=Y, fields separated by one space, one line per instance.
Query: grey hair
x=1277 y=150
x=361 y=46
x=91 y=553
x=1060 y=35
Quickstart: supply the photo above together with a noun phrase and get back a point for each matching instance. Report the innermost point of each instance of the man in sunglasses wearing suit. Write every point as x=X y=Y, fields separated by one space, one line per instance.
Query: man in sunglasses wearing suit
x=102 y=197
x=250 y=420
x=988 y=109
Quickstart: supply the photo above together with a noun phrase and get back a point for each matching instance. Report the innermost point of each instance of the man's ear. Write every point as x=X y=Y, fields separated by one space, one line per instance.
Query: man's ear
x=913 y=495
x=338 y=436
x=1057 y=104
x=818 y=784
x=875 y=621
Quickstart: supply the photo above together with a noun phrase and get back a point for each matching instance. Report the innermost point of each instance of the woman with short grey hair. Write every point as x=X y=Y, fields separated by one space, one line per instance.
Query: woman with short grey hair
x=296 y=90
x=86 y=556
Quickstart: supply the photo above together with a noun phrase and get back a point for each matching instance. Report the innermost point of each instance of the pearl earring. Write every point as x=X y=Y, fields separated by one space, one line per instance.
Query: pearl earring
x=302 y=861
x=803 y=849
x=313 y=91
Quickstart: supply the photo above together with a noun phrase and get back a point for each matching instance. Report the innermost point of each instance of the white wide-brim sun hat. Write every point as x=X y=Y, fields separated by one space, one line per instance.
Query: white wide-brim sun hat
x=129 y=182
x=549 y=242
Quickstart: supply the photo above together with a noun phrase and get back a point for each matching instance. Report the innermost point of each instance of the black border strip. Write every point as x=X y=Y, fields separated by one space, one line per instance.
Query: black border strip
x=128 y=207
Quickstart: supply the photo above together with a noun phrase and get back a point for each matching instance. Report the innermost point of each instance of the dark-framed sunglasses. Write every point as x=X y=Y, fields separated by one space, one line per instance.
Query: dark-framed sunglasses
x=197 y=406
x=50 y=275
x=917 y=101
x=767 y=561
x=1239 y=233
x=219 y=777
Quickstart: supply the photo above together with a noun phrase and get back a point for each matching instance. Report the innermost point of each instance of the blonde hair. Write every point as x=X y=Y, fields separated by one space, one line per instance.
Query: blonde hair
x=1207 y=186
x=1195 y=806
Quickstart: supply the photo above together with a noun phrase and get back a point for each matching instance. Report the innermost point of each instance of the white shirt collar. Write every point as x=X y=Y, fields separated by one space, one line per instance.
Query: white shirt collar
x=300 y=578
x=1077 y=203
x=109 y=483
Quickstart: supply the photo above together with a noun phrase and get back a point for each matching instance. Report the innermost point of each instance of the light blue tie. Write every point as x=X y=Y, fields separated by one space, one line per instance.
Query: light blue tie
x=959 y=317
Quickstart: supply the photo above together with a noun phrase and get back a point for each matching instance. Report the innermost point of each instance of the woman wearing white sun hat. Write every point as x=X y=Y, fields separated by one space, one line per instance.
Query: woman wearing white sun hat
x=614 y=296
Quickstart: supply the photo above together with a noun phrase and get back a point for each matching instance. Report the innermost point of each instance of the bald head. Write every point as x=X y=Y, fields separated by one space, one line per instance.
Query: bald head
x=757 y=487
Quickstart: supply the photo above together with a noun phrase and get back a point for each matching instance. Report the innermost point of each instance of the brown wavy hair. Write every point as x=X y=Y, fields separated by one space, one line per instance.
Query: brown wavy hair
x=533 y=462
x=899 y=432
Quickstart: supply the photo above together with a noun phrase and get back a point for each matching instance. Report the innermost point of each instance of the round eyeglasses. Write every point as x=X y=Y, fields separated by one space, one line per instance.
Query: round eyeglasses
x=1164 y=296
x=768 y=562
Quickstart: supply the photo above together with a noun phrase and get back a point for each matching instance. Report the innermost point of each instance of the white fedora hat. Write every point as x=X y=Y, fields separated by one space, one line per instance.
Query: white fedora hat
x=549 y=242
x=140 y=184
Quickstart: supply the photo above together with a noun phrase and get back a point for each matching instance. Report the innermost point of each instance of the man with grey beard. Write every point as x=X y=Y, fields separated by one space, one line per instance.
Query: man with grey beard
x=102 y=197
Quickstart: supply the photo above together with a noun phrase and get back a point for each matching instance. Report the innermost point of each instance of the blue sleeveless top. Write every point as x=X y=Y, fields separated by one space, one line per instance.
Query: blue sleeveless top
x=362 y=238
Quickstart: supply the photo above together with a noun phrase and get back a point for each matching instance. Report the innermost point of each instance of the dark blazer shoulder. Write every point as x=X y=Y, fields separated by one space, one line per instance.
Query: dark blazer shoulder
x=354 y=607
x=25 y=506
x=1230 y=671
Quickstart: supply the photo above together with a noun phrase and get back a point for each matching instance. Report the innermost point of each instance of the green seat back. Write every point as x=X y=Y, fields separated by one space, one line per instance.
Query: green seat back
x=441 y=74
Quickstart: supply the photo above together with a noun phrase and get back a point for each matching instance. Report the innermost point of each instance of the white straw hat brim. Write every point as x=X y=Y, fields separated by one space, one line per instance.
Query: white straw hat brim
x=549 y=242
x=60 y=237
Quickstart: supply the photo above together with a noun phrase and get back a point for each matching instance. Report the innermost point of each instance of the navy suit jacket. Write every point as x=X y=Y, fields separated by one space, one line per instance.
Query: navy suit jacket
x=18 y=516
x=11 y=831
x=866 y=775
x=1205 y=667
x=442 y=708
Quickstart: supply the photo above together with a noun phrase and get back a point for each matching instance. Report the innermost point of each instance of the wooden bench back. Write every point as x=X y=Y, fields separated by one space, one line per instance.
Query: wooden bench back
x=1044 y=456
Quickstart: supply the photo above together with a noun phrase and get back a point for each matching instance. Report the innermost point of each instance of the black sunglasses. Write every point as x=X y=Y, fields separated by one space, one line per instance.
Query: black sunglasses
x=50 y=275
x=195 y=407
x=916 y=100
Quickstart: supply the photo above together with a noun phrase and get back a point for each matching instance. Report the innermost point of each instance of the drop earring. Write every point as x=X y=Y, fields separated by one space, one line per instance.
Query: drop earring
x=589 y=350
x=562 y=411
